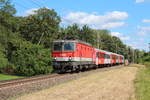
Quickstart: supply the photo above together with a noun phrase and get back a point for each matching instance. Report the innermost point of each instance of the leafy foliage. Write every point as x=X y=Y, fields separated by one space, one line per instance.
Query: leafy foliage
x=3 y=59
x=41 y=27
x=31 y=59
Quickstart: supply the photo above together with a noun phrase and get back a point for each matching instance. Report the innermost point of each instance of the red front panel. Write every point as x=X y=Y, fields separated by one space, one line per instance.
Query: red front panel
x=63 y=53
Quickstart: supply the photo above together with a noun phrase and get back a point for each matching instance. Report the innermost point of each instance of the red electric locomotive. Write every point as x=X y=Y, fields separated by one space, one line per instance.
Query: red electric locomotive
x=71 y=55
x=75 y=55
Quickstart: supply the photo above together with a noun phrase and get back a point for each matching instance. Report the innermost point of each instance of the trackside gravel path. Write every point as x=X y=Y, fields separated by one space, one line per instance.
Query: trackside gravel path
x=115 y=84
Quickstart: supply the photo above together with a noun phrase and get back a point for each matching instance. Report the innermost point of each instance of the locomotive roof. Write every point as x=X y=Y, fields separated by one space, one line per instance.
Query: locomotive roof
x=79 y=41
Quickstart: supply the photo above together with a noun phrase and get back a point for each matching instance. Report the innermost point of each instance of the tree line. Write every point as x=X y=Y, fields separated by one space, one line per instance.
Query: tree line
x=26 y=42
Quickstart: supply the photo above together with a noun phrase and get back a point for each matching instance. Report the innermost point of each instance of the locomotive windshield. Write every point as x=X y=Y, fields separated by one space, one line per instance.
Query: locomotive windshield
x=58 y=46
x=64 y=46
x=69 y=46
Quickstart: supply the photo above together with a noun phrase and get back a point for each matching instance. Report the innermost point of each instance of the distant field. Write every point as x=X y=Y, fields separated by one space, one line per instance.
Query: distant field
x=8 y=77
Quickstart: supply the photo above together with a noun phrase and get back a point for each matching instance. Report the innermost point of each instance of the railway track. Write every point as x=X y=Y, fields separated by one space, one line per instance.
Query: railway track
x=25 y=80
x=8 y=83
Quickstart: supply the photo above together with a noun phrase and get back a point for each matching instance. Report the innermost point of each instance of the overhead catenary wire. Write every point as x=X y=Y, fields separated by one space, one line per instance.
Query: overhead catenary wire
x=40 y=3
x=35 y=3
x=21 y=5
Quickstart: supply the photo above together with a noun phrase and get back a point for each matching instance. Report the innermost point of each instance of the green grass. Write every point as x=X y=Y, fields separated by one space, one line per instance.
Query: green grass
x=142 y=84
x=9 y=77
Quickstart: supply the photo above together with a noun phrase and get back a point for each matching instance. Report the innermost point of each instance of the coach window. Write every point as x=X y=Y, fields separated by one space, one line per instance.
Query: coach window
x=102 y=56
x=97 y=54
x=69 y=46
x=108 y=57
x=117 y=57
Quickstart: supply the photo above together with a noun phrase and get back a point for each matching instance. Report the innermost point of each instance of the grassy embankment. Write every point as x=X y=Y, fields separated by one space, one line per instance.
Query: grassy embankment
x=142 y=83
x=8 y=77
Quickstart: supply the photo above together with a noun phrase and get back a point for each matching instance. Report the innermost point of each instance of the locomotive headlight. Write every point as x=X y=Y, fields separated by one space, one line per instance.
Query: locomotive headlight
x=54 y=59
x=70 y=59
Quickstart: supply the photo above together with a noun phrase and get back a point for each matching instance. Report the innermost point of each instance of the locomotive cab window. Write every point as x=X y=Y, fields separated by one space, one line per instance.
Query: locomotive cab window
x=69 y=46
x=57 y=46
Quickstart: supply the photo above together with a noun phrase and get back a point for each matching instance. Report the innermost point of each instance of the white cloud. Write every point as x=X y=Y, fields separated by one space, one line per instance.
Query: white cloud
x=138 y=45
x=120 y=35
x=146 y=20
x=139 y=1
x=115 y=34
x=96 y=21
x=141 y=39
x=30 y=11
x=125 y=38
x=113 y=25
x=143 y=30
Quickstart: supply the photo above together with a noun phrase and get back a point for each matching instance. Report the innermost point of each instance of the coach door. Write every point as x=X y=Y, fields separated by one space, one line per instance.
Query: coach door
x=97 y=56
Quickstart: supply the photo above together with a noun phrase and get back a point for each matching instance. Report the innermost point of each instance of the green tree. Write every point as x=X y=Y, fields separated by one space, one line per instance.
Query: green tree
x=6 y=7
x=87 y=34
x=72 y=32
x=31 y=59
x=41 y=27
x=3 y=59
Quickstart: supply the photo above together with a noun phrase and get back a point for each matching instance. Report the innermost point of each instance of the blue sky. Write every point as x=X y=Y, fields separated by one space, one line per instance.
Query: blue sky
x=127 y=19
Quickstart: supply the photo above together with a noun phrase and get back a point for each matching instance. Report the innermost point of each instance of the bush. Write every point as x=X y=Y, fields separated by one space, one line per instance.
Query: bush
x=31 y=59
x=3 y=62
x=147 y=64
x=3 y=59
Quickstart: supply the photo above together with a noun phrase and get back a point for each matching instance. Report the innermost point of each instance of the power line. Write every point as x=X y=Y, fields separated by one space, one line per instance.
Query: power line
x=21 y=5
x=34 y=2
x=41 y=3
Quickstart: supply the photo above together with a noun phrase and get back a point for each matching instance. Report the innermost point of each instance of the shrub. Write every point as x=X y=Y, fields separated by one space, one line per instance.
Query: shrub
x=147 y=64
x=31 y=59
x=3 y=62
x=3 y=59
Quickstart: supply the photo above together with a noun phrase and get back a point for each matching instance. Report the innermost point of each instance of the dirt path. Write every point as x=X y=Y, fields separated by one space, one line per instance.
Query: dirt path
x=116 y=84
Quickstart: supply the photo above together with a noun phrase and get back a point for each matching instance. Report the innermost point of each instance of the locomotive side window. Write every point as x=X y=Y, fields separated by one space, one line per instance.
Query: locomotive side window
x=58 y=46
x=69 y=46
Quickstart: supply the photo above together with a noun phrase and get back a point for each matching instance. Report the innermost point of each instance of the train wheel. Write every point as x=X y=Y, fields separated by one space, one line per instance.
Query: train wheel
x=78 y=70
